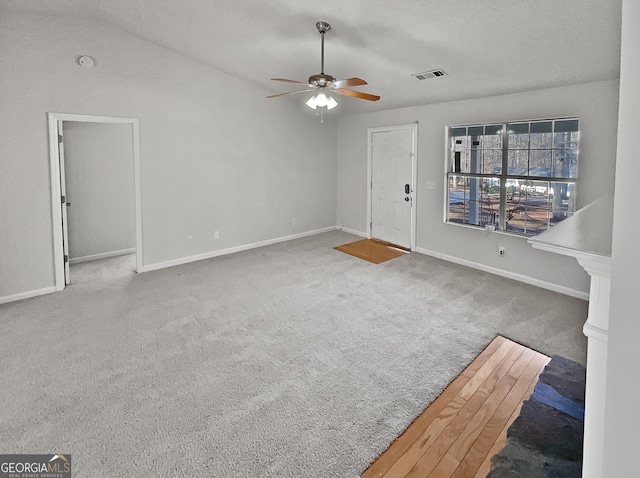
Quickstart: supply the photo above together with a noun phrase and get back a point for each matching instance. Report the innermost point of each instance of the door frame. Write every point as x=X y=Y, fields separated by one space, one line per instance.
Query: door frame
x=413 y=127
x=55 y=173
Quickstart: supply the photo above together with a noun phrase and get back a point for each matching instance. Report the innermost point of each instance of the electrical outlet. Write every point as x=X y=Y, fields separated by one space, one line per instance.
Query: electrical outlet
x=294 y=222
x=216 y=234
x=189 y=239
x=431 y=185
x=501 y=251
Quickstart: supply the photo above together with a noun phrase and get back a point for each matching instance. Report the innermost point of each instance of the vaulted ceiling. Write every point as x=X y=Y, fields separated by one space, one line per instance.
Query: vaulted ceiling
x=486 y=47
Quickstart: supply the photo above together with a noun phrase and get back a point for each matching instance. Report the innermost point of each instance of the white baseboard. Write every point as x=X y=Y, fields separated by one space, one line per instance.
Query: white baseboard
x=102 y=255
x=27 y=295
x=509 y=275
x=185 y=260
x=231 y=250
x=351 y=231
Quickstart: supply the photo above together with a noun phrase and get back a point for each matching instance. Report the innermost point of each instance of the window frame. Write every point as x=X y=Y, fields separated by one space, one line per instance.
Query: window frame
x=504 y=176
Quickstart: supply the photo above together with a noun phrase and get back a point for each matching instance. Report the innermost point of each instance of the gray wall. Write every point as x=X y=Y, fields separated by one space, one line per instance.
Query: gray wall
x=215 y=154
x=100 y=187
x=594 y=103
x=622 y=416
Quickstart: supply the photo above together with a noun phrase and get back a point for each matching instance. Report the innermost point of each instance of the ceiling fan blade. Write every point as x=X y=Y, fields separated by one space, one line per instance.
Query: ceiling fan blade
x=290 y=81
x=289 y=93
x=355 y=94
x=349 y=82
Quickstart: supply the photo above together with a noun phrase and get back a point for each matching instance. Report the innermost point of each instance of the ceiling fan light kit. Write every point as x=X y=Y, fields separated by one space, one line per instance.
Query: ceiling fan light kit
x=323 y=101
x=325 y=84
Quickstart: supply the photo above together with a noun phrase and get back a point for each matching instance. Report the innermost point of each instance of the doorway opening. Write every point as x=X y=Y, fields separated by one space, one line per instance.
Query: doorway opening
x=96 y=200
x=391 y=176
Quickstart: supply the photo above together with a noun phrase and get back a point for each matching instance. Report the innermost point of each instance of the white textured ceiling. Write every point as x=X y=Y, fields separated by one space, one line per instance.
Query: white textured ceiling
x=487 y=47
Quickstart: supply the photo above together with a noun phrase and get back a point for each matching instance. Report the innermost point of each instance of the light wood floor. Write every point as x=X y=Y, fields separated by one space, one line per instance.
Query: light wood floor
x=457 y=435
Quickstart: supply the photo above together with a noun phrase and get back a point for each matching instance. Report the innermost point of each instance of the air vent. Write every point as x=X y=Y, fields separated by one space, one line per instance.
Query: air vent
x=429 y=74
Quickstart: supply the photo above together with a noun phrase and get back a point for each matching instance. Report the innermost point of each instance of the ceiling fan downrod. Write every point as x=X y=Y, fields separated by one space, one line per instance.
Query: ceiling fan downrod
x=322 y=27
x=321 y=80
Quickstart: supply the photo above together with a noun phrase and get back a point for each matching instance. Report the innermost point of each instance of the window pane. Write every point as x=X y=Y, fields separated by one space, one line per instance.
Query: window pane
x=476 y=130
x=516 y=206
x=474 y=201
x=492 y=129
x=541 y=127
x=492 y=137
x=528 y=207
x=475 y=136
x=519 y=128
x=460 y=161
x=563 y=203
x=518 y=162
x=540 y=162
x=457 y=202
x=489 y=200
x=519 y=136
x=492 y=161
x=565 y=163
x=566 y=125
x=541 y=135
x=458 y=143
x=458 y=131
x=475 y=142
x=565 y=140
x=475 y=161
x=537 y=215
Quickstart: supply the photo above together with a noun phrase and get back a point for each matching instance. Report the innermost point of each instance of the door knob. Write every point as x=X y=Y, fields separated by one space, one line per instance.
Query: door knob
x=407 y=198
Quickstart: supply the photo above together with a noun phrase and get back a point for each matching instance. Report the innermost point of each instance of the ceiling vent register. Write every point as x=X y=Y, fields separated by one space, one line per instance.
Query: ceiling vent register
x=425 y=75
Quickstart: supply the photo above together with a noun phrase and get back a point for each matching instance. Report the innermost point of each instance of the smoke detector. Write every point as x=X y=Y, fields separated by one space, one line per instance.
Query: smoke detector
x=86 y=61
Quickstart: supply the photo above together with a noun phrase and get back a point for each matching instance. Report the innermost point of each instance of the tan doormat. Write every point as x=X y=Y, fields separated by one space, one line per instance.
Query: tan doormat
x=372 y=250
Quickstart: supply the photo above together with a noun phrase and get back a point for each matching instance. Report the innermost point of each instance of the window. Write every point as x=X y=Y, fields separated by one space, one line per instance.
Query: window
x=519 y=177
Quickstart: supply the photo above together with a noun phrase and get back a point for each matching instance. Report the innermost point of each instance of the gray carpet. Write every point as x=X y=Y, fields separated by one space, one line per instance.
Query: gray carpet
x=292 y=360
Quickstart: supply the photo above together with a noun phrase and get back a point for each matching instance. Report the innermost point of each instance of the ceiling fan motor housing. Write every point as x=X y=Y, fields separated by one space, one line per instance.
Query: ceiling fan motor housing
x=321 y=80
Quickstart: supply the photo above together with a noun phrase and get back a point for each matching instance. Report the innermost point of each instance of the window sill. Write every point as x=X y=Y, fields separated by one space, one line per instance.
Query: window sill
x=488 y=231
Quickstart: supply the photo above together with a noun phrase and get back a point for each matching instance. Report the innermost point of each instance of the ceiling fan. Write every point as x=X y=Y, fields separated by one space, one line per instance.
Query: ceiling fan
x=325 y=84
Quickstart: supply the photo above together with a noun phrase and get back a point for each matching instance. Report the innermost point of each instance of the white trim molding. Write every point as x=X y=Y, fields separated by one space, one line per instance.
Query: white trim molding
x=595 y=333
x=54 y=165
x=578 y=294
x=351 y=231
x=231 y=250
x=27 y=295
x=102 y=255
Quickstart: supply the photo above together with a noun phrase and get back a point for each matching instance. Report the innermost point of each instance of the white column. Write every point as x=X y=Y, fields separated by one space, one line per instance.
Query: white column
x=596 y=329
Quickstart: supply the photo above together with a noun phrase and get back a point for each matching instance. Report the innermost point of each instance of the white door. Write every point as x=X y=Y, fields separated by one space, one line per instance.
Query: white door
x=392 y=166
x=63 y=204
